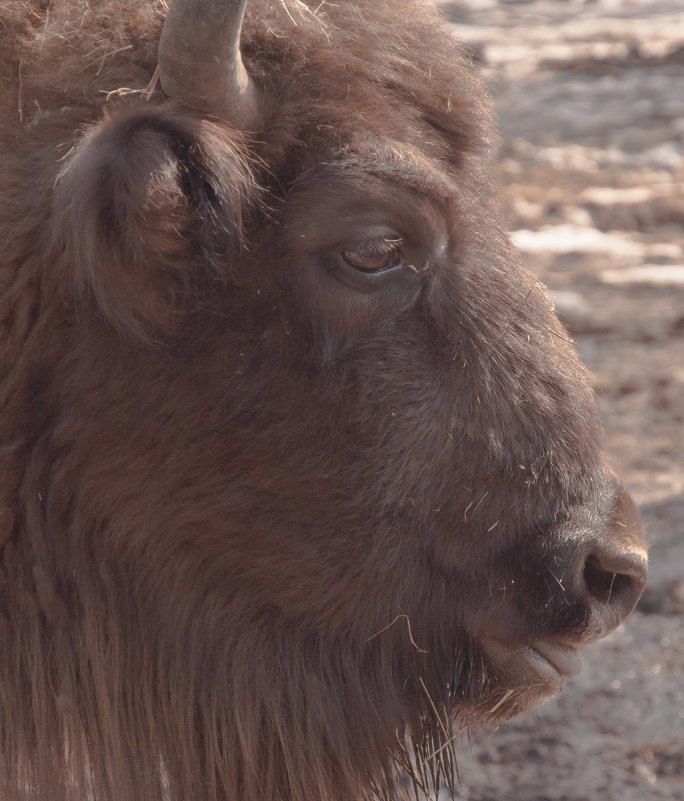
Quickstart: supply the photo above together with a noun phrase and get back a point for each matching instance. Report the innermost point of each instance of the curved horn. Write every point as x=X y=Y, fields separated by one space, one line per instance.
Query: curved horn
x=200 y=60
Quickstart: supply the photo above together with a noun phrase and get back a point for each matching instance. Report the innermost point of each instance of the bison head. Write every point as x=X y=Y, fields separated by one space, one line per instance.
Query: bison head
x=303 y=475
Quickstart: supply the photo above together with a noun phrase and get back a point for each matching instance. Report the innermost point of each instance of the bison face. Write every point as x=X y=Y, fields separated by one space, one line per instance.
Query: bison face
x=306 y=471
x=476 y=446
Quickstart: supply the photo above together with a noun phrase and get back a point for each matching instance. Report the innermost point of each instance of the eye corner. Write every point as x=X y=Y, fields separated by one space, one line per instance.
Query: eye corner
x=419 y=269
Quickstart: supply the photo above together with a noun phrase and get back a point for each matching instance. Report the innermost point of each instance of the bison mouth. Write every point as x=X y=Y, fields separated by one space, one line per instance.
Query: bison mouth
x=541 y=665
x=554 y=660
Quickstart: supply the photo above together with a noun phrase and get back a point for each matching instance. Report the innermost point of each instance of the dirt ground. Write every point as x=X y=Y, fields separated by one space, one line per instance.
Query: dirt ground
x=590 y=103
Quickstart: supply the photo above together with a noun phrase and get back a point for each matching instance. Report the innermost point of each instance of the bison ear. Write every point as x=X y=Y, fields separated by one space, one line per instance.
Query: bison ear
x=148 y=214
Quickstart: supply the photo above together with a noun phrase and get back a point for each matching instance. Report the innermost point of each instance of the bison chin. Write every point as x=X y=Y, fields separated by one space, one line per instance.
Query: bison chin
x=492 y=682
x=496 y=682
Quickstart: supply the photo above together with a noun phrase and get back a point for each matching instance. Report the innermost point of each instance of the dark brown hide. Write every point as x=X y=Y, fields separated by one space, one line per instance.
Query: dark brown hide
x=300 y=474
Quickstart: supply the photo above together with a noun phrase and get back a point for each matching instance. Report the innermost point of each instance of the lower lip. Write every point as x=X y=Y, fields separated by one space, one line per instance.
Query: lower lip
x=555 y=660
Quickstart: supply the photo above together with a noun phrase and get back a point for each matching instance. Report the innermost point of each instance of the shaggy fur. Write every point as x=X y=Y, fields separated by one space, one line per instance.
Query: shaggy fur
x=261 y=511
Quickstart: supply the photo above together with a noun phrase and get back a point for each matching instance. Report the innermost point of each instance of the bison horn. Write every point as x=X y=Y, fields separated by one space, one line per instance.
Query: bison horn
x=200 y=60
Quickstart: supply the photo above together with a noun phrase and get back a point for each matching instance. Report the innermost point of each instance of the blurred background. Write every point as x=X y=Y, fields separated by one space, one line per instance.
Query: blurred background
x=589 y=99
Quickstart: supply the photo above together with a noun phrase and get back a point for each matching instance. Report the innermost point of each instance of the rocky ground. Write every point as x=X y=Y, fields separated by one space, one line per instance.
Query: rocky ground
x=590 y=102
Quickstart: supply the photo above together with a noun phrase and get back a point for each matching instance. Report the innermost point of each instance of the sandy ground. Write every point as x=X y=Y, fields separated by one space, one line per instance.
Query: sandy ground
x=590 y=102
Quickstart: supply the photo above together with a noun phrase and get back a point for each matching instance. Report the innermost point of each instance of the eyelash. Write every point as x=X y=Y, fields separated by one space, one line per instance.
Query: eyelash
x=381 y=247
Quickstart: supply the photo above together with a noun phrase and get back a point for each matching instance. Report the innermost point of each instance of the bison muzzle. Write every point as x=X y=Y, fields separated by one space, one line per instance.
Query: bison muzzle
x=301 y=476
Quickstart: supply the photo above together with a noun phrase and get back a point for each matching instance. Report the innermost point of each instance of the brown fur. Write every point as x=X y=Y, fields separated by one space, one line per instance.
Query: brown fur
x=254 y=523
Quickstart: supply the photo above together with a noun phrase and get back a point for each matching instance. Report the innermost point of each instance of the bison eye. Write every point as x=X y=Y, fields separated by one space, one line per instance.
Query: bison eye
x=375 y=256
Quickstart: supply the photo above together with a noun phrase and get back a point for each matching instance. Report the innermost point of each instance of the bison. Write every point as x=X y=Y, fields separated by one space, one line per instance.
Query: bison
x=301 y=477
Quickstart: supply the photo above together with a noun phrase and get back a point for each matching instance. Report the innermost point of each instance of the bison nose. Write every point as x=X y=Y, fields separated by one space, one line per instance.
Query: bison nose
x=613 y=581
x=615 y=568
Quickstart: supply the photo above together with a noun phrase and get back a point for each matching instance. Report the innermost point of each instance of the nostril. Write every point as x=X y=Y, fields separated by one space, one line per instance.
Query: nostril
x=614 y=579
x=605 y=584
